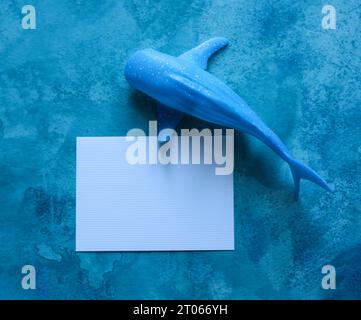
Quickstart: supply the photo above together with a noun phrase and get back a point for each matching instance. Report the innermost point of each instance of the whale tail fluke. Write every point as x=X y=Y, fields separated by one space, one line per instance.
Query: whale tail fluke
x=301 y=171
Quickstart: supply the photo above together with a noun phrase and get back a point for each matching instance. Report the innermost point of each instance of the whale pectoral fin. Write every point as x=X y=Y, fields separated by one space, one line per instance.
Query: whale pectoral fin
x=204 y=51
x=168 y=118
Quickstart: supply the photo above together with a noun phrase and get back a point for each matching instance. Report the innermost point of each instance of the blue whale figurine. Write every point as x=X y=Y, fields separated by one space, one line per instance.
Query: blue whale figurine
x=181 y=85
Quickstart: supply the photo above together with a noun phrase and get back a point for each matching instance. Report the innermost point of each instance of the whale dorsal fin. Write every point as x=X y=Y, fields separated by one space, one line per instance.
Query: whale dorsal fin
x=168 y=117
x=204 y=51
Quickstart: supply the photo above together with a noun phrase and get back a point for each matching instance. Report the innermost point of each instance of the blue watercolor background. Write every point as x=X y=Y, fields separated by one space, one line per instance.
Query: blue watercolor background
x=65 y=79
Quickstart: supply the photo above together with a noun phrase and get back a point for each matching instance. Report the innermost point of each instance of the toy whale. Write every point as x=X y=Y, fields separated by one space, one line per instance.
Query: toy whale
x=181 y=85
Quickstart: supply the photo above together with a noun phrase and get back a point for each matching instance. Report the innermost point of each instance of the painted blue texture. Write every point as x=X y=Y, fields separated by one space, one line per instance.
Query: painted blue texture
x=183 y=85
x=65 y=79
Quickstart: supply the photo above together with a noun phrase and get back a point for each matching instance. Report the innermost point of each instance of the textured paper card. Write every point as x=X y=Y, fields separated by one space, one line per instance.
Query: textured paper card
x=148 y=207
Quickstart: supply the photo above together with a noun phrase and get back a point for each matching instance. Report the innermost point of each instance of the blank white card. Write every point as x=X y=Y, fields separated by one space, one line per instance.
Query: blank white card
x=148 y=207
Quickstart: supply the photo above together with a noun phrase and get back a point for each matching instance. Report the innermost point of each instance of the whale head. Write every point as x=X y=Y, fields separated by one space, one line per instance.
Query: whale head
x=145 y=70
